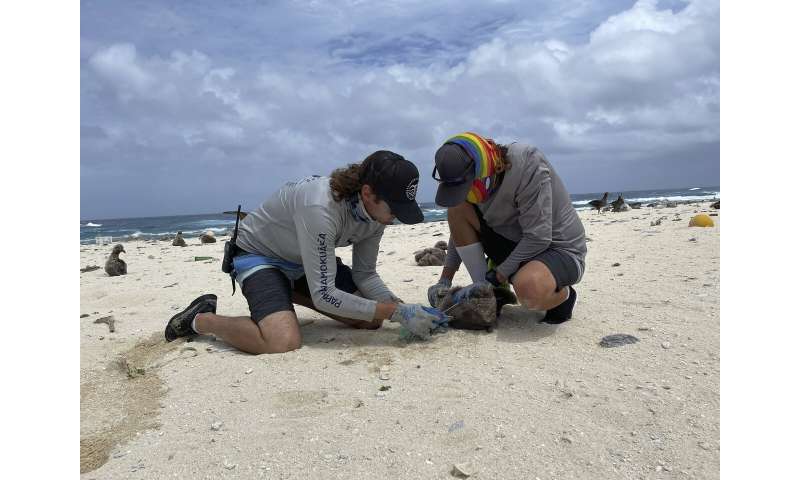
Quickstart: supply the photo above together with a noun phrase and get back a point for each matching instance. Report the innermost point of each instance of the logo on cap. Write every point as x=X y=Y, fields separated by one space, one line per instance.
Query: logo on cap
x=411 y=189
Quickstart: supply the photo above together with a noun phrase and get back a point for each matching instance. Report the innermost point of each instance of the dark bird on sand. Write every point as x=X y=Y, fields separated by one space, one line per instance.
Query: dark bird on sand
x=208 y=237
x=441 y=245
x=617 y=204
x=599 y=204
x=179 y=241
x=715 y=205
x=114 y=265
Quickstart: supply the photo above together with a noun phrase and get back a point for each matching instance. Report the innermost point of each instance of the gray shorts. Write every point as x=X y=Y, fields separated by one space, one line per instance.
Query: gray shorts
x=564 y=266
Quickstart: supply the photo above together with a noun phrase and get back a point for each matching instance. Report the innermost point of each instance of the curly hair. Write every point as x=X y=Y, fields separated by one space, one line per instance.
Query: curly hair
x=346 y=181
x=503 y=149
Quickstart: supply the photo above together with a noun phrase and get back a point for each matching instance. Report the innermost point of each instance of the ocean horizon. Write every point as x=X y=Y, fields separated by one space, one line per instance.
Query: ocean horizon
x=193 y=225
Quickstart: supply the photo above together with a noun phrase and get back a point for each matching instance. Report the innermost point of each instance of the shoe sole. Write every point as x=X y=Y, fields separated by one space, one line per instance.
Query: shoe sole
x=210 y=297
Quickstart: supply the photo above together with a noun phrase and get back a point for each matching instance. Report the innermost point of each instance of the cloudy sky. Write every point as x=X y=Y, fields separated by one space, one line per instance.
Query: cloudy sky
x=194 y=107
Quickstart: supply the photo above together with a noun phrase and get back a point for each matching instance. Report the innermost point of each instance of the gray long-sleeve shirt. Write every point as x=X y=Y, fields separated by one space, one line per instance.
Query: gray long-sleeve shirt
x=301 y=223
x=531 y=207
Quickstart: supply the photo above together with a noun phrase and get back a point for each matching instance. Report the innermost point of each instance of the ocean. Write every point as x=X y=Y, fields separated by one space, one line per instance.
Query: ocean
x=149 y=228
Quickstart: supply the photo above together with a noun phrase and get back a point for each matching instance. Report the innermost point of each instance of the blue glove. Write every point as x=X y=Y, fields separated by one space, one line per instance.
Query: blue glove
x=465 y=292
x=435 y=292
x=419 y=320
x=491 y=277
x=441 y=320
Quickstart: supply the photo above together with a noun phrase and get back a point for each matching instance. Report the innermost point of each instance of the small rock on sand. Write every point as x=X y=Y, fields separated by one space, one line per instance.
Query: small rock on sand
x=463 y=470
x=665 y=345
x=617 y=340
x=216 y=426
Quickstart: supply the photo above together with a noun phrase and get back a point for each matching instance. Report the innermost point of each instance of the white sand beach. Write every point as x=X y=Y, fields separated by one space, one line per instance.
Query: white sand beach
x=525 y=401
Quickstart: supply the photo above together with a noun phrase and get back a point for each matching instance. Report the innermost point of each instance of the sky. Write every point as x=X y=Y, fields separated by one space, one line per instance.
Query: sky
x=196 y=107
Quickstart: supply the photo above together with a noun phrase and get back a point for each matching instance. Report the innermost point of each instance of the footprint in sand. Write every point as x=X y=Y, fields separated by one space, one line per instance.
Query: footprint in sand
x=301 y=403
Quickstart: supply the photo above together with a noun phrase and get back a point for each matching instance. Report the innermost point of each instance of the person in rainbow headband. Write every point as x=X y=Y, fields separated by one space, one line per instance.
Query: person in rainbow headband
x=487 y=163
x=507 y=203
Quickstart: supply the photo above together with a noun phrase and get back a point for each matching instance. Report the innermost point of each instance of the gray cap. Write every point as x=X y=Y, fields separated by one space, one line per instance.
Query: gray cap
x=456 y=171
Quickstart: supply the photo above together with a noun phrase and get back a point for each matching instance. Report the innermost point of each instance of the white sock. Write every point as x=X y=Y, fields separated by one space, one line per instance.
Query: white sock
x=193 y=324
x=474 y=260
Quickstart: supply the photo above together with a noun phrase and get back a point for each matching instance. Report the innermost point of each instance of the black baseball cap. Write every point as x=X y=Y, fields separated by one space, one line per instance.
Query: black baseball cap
x=456 y=172
x=395 y=180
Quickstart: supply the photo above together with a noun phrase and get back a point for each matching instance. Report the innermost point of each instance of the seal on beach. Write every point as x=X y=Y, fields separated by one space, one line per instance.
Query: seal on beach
x=179 y=241
x=599 y=204
x=114 y=265
x=208 y=237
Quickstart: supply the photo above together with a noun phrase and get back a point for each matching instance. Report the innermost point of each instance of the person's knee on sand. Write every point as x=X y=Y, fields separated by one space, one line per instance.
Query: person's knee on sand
x=277 y=332
x=280 y=333
x=535 y=287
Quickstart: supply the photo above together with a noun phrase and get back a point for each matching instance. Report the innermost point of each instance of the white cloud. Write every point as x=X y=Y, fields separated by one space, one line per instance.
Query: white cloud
x=638 y=81
x=118 y=64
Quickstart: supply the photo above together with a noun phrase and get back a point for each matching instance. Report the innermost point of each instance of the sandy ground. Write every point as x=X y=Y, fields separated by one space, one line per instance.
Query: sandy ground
x=528 y=400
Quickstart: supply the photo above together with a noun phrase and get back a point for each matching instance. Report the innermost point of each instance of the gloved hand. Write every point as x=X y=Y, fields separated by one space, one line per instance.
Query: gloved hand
x=491 y=277
x=418 y=319
x=435 y=292
x=465 y=292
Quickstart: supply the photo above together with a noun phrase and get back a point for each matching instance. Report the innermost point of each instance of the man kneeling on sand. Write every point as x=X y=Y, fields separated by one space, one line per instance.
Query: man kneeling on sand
x=507 y=203
x=286 y=255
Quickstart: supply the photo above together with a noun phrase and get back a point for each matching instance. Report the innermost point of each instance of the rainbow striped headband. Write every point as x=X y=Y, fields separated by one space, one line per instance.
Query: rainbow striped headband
x=487 y=162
